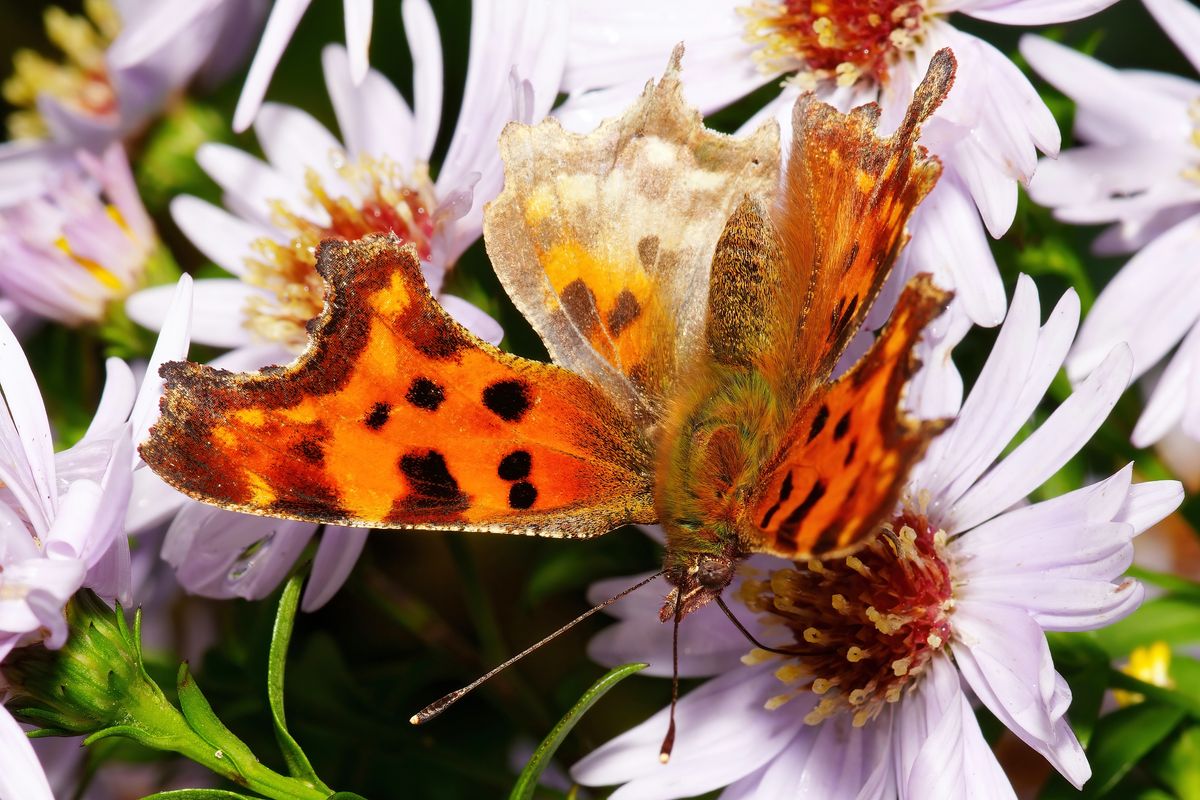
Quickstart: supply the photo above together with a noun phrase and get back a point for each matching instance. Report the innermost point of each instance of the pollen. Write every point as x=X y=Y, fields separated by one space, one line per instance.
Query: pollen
x=80 y=79
x=865 y=626
x=843 y=41
x=385 y=201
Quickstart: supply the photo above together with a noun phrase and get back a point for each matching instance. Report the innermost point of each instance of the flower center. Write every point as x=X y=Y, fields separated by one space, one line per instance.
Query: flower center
x=80 y=80
x=387 y=201
x=865 y=626
x=839 y=40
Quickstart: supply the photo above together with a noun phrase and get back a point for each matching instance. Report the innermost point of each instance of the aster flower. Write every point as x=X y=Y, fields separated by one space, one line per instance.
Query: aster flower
x=1137 y=170
x=960 y=585
x=851 y=52
x=62 y=515
x=84 y=243
x=314 y=187
x=122 y=62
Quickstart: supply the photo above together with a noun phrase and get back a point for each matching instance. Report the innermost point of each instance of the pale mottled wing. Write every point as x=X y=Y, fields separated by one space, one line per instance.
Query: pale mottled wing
x=841 y=216
x=398 y=417
x=604 y=241
x=850 y=448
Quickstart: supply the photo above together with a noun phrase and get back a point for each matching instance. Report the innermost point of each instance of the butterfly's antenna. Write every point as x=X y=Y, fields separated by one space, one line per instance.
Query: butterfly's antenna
x=434 y=709
x=750 y=636
x=664 y=754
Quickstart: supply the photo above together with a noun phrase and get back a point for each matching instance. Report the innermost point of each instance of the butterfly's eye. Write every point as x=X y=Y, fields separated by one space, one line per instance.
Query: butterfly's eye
x=714 y=572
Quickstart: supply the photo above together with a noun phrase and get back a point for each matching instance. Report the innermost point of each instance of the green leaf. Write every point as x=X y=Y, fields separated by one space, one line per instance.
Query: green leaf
x=1124 y=738
x=345 y=796
x=199 y=794
x=297 y=762
x=527 y=781
x=201 y=718
x=1177 y=764
x=1171 y=619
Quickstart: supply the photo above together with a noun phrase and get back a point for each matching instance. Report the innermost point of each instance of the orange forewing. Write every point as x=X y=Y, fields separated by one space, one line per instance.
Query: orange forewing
x=850 y=446
x=841 y=216
x=397 y=416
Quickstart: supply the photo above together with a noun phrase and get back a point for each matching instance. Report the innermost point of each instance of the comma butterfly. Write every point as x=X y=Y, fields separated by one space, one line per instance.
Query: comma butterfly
x=695 y=304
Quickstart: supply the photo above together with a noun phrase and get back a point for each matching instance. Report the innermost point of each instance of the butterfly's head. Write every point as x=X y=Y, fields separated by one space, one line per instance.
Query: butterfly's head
x=696 y=579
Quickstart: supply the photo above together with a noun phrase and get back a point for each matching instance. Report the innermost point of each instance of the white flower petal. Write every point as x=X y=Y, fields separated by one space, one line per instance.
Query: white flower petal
x=1030 y=12
x=250 y=185
x=336 y=556
x=1004 y=657
x=358 y=35
x=116 y=401
x=1181 y=21
x=949 y=240
x=1149 y=503
x=1020 y=367
x=285 y=16
x=1049 y=447
x=153 y=502
x=1115 y=106
x=1169 y=399
x=373 y=117
x=294 y=142
x=723 y=734
x=172 y=345
x=425 y=44
x=225 y=239
x=1161 y=283
x=21 y=776
x=219 y=553
x=26 y=446
x=473 y=318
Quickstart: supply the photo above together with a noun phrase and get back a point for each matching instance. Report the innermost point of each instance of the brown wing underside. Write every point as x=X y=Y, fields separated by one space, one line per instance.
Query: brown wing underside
x=398 y=417
x=604 y=240
x=850 y=447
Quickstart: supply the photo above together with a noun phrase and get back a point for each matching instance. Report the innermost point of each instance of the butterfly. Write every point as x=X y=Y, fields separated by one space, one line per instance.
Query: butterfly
x=695 y=297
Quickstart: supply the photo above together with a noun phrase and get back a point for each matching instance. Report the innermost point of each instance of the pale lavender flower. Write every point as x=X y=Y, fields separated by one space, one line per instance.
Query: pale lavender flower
x=987 y=133
x=312 y=186
x=62 y=515
x=1138 y=170
x=959 y=588
x=122 y=64
x=80 y=245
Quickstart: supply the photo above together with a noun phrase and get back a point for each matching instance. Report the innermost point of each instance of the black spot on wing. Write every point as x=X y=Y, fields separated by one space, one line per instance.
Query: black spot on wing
x=377 y=417
x=818 y=422
x=850 y=452
x=842 y=428
x=424 y=393
x=310 y=450
x=515 y=466
x=508 y=399
x=785 y=491
x=790 y=527
x=429 y=477
x=828 y=540
x=522 y=495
